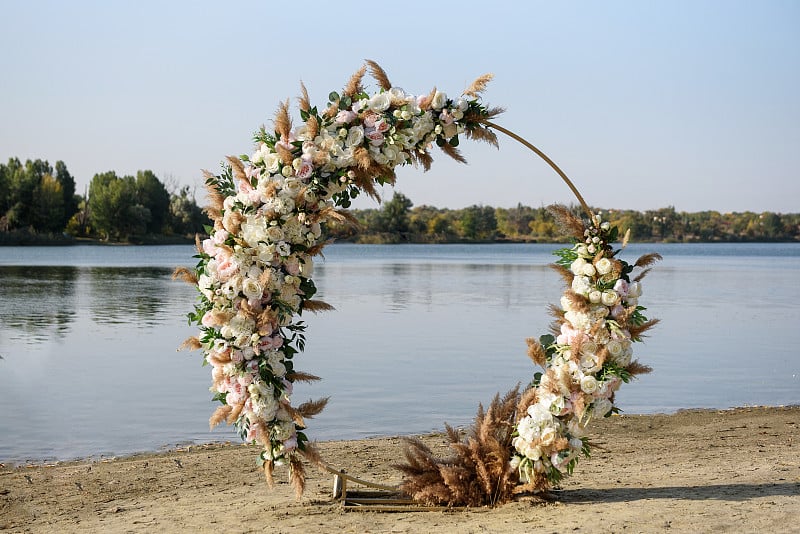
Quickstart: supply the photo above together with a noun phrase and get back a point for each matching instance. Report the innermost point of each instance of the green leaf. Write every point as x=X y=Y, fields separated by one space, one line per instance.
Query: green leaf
x=453 y=141
x=333 y=96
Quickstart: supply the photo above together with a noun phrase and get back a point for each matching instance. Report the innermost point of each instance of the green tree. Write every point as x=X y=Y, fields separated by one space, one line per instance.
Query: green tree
x=111 y=204
x=67 y=191
x=153 y=196
x=477 y=223
x=393 y=217
x=47 y=211
x=185 y=216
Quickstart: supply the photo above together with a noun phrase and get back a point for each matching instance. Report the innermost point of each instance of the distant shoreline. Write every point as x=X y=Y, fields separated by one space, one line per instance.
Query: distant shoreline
x=34 y=240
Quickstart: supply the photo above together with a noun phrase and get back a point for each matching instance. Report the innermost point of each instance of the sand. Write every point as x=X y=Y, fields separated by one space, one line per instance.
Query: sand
x=694 y=471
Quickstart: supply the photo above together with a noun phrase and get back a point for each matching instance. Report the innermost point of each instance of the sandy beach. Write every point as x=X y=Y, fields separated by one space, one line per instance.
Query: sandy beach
x=694 y=471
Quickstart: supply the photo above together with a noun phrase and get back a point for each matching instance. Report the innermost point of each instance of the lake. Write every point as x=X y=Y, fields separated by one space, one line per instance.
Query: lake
x=421 y=335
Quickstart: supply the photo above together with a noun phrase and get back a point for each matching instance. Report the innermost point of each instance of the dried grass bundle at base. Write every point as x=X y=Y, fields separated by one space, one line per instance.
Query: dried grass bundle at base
x=478 y=473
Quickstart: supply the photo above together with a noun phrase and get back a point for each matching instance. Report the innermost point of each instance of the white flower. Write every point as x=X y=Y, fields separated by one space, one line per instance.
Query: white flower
x=272 y=162
x=588 y=270
x=610 y=297
x=614 y=348
x=439 y=99
x=635 y=289
x=595 y=296
x=581 y=285
x=380 y=101
x=548 y=435
x=355 y=136
x=251 y=289
x=601 y=407
x=603 y=266
x=588 y=384
x=577 y=266
x=621 y=287
x=579 y=321
x=624 y=359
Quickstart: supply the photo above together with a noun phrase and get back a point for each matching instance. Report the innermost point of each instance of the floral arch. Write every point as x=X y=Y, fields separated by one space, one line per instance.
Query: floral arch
x=254 y=277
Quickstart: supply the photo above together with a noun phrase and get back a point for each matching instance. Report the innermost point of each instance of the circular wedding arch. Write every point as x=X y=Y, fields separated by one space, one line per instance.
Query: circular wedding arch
x=254 y=277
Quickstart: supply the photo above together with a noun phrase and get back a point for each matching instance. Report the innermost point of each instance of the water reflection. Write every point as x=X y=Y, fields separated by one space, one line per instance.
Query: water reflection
x=127 y=295
x=37 y=303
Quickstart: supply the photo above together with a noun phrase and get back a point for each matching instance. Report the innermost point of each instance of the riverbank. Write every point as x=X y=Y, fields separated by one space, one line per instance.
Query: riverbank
x=693 y=471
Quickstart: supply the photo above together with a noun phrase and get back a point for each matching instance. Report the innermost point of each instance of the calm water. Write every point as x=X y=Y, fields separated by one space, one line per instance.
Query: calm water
x=421 y=335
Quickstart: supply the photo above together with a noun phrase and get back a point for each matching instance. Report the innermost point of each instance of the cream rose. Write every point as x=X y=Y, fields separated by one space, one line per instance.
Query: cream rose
x=588 y=384
x=603 y=266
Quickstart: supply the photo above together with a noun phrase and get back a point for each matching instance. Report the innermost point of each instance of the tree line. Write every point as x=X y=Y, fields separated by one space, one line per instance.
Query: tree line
x=38 y=203
x=398 y=220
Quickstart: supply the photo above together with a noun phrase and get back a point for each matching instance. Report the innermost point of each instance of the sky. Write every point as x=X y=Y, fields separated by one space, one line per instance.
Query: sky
x=693 y=104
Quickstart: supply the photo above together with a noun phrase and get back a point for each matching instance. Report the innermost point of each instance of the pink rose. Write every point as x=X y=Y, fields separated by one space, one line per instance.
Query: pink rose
x=446 y=117
x=292 y=266
x=305 y=170
x=370 y=118
x=209 y=247
x=252 y=432
x=375 y=137
x=208 y=320
x=382 y=126
x=220 y=236
x=226 y=268
x=345 y=116
x=621 y=287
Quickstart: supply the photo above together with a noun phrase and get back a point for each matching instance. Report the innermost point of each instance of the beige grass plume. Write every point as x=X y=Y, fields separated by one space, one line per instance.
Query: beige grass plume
x=379 y=74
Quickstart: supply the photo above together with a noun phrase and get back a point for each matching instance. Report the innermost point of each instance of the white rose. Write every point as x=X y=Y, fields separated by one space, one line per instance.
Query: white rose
x=439 y=99
x=610 y=297
x=614 y=348
x=603 y=266
x=577 y=266
x=380 y=101
x=635 y=289
x=588 y=384
x=272 y=162
x=275 y=361
x=601 y=407
x=581 y=285
x=588 y=270
x=589 y=362
x=251 y=289
x=548 y=436
x=624 y=359
x=595 y=296
x=275 y=233
x=355 y=136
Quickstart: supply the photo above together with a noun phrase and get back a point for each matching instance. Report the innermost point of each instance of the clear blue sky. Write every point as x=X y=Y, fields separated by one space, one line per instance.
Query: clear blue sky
x=692 y=104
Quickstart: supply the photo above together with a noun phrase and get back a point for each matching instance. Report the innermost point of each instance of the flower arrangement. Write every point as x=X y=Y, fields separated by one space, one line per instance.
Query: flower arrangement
x=586 y=358
x=269 y=209
x=254 y=276
x=528 y=441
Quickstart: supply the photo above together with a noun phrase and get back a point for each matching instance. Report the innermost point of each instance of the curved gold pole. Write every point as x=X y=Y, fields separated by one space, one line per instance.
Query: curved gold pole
x=549 y=162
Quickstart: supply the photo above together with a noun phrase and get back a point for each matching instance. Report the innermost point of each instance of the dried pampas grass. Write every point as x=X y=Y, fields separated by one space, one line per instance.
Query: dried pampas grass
x=478 y=473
